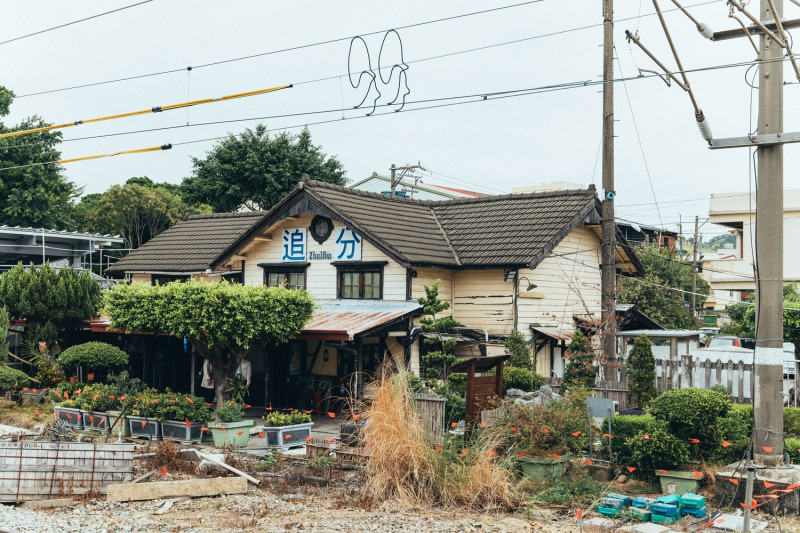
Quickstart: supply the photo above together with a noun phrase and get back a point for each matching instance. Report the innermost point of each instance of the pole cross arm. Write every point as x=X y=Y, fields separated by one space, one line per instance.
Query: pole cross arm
x=750 y=141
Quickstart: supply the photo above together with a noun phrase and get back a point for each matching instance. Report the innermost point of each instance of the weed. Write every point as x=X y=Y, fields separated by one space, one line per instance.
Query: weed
x=270 y=462
x=579 y=490
x=320 y=463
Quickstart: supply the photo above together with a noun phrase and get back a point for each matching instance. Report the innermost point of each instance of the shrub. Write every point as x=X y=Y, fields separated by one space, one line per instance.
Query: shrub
x=64 y=391
x=182 y=407
x=147 y=404
x=286 y=419
x=572 y=490
x=691 y=413
x=641 y=367
x=580 y=370
x=792 y=447
x=230 y=412
x=624 y=427
x=735 y=427
x=791 y=421
x=97 y=397
x=11 y=378
x=521 y=378
x=519 y=350
x=93 y=356
x=660 y=451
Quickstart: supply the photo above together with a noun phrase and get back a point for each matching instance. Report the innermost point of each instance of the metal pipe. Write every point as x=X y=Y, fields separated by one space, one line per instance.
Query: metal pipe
x=644 y=49
x=697 y=111
x=784 y=39
x=748 y=497
x=747 y=33
x=704 y=30
x=738 y=5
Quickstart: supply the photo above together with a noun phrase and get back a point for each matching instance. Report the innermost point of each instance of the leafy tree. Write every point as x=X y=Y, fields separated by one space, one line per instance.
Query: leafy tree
x=39 y=195
x=743 y=316
x=516 y=346
x=580 y=371
x=659 y=294
x=255 y=171
x=4 y=321
x=221 y=320
x=641 y=367
x=440 y=356
x=43 y=295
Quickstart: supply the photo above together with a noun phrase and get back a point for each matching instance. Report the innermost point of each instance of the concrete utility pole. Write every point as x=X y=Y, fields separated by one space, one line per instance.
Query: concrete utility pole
x=394 y=180
x=608 y=245
x=694 y=266
x=768 y=357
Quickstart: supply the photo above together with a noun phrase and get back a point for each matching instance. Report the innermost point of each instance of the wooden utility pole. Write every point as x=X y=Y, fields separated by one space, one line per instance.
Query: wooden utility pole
x=608 y=244
x=694 y=267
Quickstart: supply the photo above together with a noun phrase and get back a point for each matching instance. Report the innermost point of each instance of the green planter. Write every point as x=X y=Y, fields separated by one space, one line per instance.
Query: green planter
x=678 y=482
x=538 y=468
x=231 y=433
x=115 y=423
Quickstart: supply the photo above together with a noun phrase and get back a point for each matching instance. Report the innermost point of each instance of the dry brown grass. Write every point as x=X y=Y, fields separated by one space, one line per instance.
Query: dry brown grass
x=404 y=464
x=24 y=417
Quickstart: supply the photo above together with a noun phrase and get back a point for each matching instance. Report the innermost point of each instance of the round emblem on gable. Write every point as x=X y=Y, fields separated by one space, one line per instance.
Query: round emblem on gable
x=321 y=228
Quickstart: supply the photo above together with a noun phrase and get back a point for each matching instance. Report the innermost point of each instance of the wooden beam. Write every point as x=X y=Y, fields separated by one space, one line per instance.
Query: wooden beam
x=177 y=489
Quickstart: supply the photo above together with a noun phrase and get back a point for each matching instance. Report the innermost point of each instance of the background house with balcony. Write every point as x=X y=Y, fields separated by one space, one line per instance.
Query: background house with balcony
x=730 y=272
x=526 y=262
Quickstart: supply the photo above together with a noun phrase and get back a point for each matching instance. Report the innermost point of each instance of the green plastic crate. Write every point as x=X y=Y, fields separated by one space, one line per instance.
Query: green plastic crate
x=692 y=501
x=664 y=520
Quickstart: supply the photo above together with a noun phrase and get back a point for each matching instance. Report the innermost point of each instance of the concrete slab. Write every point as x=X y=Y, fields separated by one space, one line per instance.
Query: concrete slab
x=729 y=522
x=599 y=525
x=177 y=489
x=47 y=504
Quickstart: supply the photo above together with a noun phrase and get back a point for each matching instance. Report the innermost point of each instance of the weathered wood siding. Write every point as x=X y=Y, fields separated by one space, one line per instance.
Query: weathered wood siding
x=321 y=275
x=481 y=299
x=428 y=276
x=567 y=284
x=141 y=278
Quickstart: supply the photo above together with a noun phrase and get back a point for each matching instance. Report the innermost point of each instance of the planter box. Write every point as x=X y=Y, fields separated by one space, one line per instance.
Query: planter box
x=141 y=427
x=95 y=421
x=179 y=431
x=678 y=482
x=231 y=433
x=116 y=421
x=538 y=468
x=285 y=437
x=72 y=416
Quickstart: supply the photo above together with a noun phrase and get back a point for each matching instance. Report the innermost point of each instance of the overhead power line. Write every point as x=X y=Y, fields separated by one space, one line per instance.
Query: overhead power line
x=342 y=39
x=98 y=156
x=158 y=109
x=73 y=22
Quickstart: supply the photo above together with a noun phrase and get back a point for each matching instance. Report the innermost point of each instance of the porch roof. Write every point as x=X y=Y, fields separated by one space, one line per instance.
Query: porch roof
x=343 y=320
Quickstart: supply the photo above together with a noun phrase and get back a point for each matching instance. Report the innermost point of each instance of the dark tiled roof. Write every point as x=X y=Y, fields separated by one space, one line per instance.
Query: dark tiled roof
x=192 y=245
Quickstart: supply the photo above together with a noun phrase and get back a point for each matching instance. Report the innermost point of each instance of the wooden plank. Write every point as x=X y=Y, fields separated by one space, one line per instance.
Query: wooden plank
x=176 y=489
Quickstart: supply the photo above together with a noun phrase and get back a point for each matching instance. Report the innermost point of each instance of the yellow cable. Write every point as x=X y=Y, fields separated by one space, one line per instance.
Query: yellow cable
x=99 y=156
x=145 y=111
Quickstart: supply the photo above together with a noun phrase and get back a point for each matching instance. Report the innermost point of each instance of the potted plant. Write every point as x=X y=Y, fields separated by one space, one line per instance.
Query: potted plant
x=185 y=418
x=94 y=401
x=230 y=429
x=93 y=357
x=287 y=430
x=147 y=411
x=125 y=390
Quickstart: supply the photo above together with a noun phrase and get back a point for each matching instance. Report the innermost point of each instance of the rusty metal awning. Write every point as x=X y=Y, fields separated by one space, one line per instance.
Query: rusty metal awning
x=343 y=320
x=555 y=333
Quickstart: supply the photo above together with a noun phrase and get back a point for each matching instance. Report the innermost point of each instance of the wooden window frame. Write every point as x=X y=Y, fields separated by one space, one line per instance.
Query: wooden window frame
x=285 y=269
x=361 y=268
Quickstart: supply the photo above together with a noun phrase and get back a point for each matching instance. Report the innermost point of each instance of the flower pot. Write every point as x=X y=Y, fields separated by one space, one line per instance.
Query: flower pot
x=73 y=379
x=96 y=421
x=678 y=482
x=285 y=437
x=538 y=468
x=142 y=427
x=72 y=416
x=117 y=421
x=317 y=397
x=231 y=433
x=179 y=431
x=90 y=376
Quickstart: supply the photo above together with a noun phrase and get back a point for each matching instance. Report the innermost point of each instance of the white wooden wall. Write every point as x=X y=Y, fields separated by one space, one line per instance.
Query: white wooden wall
x=481 y=299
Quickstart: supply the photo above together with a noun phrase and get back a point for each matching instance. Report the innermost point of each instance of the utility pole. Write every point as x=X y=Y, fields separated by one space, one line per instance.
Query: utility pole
x=608 y=244
x=694 y=266
x=394 y=180
x=768 y=357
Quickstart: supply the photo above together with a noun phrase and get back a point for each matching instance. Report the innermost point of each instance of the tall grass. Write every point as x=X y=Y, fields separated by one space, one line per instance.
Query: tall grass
x=406 y=466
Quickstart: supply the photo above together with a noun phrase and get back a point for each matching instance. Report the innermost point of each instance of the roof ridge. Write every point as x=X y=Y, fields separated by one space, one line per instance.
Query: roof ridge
x=226 y=215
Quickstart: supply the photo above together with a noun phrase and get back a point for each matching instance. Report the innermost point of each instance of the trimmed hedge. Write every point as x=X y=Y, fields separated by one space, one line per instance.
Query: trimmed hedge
x=93 y=356
x=691 y=413
x=515 y=377
x=625 y=427
x=9 y=376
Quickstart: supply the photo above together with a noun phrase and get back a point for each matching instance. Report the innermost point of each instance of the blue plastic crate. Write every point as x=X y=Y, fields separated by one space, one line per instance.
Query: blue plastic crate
x=612 y=503
x=625 y=499
x=664 y=509
x=697 y=513
x=642 y=502
x=608 y=511
x=692 y=501
x=671 y=499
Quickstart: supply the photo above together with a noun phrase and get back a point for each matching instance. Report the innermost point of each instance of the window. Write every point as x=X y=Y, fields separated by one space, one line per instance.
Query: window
x=282 y=275
x=363 y=281
x=163 y=279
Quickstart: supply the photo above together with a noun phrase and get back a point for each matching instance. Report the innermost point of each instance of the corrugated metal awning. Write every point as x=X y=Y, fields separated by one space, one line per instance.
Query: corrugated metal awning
x=342 y=320
x=555 y=333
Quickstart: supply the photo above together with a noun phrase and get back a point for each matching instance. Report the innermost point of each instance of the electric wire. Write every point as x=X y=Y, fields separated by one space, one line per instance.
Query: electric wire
x=73 y=22
x=342 y=39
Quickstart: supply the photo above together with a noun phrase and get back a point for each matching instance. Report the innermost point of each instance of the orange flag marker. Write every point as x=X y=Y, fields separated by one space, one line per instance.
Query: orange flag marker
x=240 y=432
x=694 y=441
x=332 y=415
x=725 y=444
x=557 y=457
x=308 y=439
x=767 y=449
x=287 y=437
x=330 y=440
x=189 y=400
x=631 y=468
x=262 y=435
x=768 y=485
x=188 y=424
x=144 y=423
x=607 y=436
x=575 y=435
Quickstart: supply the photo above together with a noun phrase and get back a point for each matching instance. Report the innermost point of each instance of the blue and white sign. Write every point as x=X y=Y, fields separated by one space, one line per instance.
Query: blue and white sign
x=294 y=244
x=348 y=245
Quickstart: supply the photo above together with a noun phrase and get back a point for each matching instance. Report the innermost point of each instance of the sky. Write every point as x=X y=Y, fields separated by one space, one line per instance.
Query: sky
x=664 y=174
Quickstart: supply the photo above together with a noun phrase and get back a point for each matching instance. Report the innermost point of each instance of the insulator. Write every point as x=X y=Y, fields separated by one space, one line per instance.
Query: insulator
x=705 y=31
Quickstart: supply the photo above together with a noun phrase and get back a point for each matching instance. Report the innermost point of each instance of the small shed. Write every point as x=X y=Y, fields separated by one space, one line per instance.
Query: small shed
x=481 y=389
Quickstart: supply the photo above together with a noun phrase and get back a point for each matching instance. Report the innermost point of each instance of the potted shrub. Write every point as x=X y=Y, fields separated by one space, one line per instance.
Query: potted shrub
x=184 y=418
x=94 y=400
x=147 y=411
x=287 y=430
x=93 y=357
x=230 y=429
x=125 y=390
x=12 y=381
x=665 y=454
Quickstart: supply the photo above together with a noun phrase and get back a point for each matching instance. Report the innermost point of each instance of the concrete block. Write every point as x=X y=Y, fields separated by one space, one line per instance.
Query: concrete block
x=599 y=525
x=47 y=504
x=176 y=489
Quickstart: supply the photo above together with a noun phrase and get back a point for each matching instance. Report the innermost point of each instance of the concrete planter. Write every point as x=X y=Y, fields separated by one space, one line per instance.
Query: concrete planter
x=678 y=482
x=117 y=421
x=141 y=427
x=72 y=416
x=285 y=437
x=231 y=433
x=95 y=421
x=538 y=468
x=179 y=431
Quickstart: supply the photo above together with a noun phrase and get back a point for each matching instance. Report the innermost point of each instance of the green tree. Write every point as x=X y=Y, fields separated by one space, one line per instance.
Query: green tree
x=519 y=350
x=37 y=195
x=743 y=316
x=221 y=320
x=4 y=322
x=255 y=171
x=664 y=289
x=43 y=295
x=580 y=371
x=440 y=354
x=641 y=368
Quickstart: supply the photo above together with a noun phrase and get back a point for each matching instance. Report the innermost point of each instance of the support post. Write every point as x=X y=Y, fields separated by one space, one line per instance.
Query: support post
x=768 y=357
x=608 y=269
x=694 y=268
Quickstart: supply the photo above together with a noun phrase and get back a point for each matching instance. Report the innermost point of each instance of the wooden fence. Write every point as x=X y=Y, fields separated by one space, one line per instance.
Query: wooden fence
x=430 y=409
x=31 y=470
